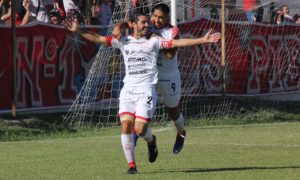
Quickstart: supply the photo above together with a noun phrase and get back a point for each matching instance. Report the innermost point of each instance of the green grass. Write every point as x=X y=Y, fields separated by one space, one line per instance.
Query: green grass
x=257 y=151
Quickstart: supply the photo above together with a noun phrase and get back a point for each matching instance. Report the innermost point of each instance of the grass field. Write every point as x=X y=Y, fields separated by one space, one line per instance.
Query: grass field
x=257 y=151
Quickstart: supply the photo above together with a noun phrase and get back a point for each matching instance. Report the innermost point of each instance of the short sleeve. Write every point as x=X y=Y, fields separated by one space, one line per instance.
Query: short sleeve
x=175 y=32
x=112 y=42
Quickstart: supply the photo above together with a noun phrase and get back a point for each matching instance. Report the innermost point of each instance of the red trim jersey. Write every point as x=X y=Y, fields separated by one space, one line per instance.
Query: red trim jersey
x=140 y=58
x=165 y=64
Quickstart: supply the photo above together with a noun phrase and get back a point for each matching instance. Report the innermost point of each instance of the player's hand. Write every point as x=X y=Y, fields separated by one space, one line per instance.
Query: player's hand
x=212 y=38
x=117 y=31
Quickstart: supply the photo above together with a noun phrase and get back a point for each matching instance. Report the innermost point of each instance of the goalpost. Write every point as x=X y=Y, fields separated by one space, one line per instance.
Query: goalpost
x=255 y=59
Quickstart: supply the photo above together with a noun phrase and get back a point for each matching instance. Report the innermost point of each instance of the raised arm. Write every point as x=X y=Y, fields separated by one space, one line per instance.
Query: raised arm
x=208 y=38
x=73 y=26
x=117 y=31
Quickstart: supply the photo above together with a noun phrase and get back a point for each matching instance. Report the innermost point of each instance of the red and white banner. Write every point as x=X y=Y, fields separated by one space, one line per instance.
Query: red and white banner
x=51 y=66
x=52 y=63
x=260 y=59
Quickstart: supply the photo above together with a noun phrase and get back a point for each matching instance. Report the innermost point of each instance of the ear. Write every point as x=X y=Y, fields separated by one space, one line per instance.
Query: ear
x=133 y=24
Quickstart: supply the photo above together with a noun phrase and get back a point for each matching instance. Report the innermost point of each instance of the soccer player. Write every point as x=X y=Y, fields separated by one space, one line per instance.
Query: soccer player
x=168 y=84
x=138 y=95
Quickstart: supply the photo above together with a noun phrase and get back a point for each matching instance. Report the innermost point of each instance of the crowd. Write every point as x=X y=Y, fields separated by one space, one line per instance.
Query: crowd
x=100 y=11
x=55 y=11
x=282 y=16
x=255 y=12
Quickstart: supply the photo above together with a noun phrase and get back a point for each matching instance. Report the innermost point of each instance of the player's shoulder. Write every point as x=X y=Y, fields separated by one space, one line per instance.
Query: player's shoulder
x=171 y=29
x=155 y=37
x=125 y=38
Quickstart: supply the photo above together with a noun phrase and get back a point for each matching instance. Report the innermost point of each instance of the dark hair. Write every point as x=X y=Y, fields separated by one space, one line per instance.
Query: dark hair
x=135 y=16
x=214 y=13
x=162 y=7
x=54 y=12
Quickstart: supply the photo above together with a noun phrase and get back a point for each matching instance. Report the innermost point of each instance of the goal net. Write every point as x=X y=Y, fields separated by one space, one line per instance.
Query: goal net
x=261 y=60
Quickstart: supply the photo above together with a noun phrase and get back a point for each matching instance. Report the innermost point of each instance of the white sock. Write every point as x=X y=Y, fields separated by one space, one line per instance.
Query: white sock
x=128 y=147
x=148 y=135
x=179 y=123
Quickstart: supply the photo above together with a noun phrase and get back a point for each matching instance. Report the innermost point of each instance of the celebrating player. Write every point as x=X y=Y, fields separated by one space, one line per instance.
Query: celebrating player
x=138 y=95
x=169 y=84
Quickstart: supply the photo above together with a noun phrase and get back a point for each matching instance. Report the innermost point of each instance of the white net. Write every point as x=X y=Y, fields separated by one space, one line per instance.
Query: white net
x=262 y=60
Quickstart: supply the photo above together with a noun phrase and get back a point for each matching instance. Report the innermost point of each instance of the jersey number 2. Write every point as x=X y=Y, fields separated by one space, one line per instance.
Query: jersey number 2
x=149 y=100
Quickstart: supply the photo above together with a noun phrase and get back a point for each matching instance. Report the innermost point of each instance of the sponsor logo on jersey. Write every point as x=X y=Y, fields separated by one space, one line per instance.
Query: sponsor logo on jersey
x=138 y=72
x=136 y=65
x=134 y=52
x=137 y=59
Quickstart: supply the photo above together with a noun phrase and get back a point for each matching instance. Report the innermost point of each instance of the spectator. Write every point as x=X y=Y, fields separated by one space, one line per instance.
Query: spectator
x=286 y=17
x=277 y=17
x=95 y=10
x=102 y=10
x=297 y=19
x=249 y=8
x=72 y=11
x=6 y=15
x=259 y=12
x=25 y=19
x=55 y=17
x=37 y=11
x=214 y=14
x=20 y=11
x=58 y=4
x=141 y=6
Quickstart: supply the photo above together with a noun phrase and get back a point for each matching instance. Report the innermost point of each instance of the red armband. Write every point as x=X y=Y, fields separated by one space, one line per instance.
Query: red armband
x=167 y=44
x=108 y=40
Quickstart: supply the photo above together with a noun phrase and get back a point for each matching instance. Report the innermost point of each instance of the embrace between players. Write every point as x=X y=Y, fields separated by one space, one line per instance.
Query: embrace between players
x=150 y=60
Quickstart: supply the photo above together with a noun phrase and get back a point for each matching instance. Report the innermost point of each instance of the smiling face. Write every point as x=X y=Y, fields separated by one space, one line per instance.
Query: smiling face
x=140 y=26
x=159 y=18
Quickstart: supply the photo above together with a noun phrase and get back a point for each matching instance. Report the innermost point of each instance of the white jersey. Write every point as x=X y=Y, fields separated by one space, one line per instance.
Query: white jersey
x=37 y=9
x=69 y=4
x=140 y=58
x=165 y=64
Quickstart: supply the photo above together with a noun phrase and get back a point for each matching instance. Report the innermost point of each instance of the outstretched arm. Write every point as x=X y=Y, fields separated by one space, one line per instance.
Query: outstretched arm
x=73 y=26
x=208 y=38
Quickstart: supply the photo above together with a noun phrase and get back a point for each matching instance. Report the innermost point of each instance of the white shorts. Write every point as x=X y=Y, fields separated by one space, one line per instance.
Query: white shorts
x=139 y=102
x=169 y=86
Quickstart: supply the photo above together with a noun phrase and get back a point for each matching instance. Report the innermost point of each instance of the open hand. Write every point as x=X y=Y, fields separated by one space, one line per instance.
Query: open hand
x=212 y=38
